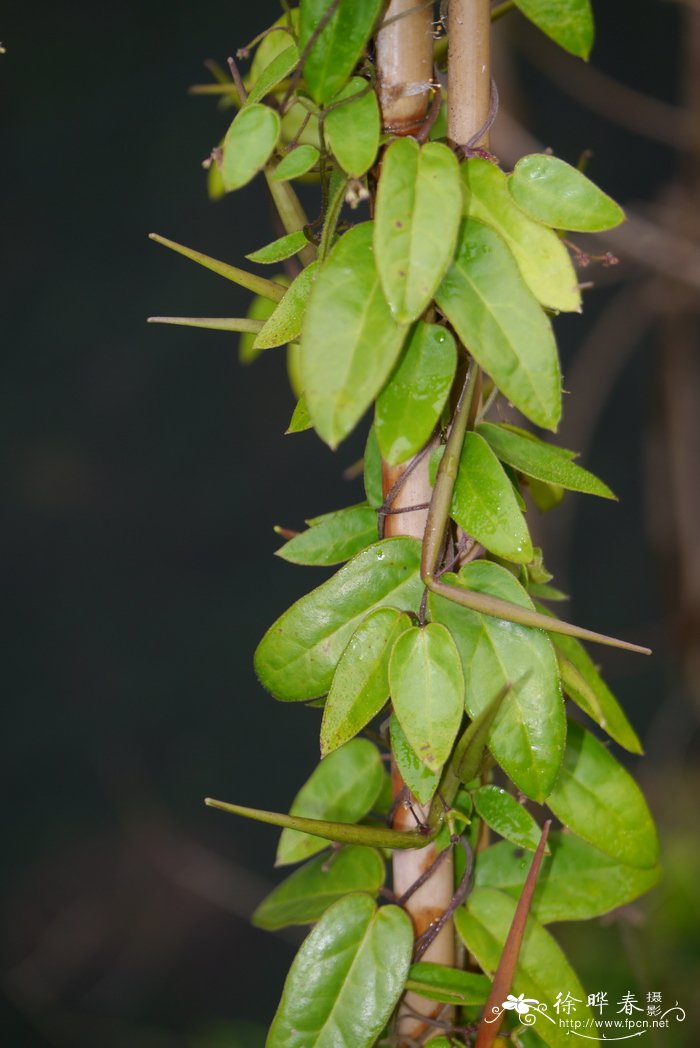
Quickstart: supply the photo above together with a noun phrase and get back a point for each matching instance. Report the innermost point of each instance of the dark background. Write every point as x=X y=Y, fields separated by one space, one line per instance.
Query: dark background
x=144 y=469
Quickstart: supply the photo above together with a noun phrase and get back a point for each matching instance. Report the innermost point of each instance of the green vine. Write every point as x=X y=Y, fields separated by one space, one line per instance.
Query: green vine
x=434 y=310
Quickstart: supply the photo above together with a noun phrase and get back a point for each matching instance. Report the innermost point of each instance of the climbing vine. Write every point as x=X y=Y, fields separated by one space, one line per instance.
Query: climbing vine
x=424 y=289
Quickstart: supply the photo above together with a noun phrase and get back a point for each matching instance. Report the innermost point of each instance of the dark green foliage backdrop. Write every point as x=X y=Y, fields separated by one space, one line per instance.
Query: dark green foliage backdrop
x=143 y=471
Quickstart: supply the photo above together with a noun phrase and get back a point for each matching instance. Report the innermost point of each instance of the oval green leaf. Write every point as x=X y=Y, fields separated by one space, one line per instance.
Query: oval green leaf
x=342 y=788
x=353 y=127
x=600 y=801
x=484 y=503
x=576 y=883
x=511 y=820
x=421 y=781
x=485 y=299
x=361 y=682
x=438 y=982
x=417 y=216
x=280 y=249
x=297 y=657
x=529 y=731
x=259 y=309
x=333 y=538
x=338 y=47
x=559 y=195
x=346 y=979
x=297 y=163
x=427 y=691
x=409 y=406
x=350 y=341
x=276 y=40
x=536 y=458
x=568 y=22
x=542 y=971
x=249 y=143
x=284 y=324
x=280 y=67
x=305 y=895
x=542 y=258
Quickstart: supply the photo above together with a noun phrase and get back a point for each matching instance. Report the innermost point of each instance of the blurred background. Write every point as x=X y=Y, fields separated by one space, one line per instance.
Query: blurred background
x=145 y=468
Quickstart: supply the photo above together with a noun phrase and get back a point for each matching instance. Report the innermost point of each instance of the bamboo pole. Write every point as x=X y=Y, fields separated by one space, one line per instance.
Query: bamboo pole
x=404 y=49
x=468 y=70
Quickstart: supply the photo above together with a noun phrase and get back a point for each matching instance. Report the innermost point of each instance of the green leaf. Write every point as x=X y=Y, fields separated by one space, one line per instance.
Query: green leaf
x=484 y=298
x=284 y=325
x=260 y=310
x=421 y=781
x=469 y=751
x=339 y=46
x=276 y=40
x=372 y=470
x=528 y=734
x=361 y=682
x=438 y=982
x=544 y=262
x=542 y=972
x=304 y=896
x=560 y=195
x=346 y=979
x=297 y=163
x=333 y=538
x=342 y=788
x=249 y=143
x=484 y=503
x=297 y=657
x=568 y=22
x=596 y=798
x=350 y=341
x=409 y=406
x=427 y=690
x=417 y=216
x=280 y=67
x=584 y=685
x=280 y=249
x=269 y=289
x=353 y=128
x=536 y=458
x=576 y=883
x=299 y=422
x=511 y=820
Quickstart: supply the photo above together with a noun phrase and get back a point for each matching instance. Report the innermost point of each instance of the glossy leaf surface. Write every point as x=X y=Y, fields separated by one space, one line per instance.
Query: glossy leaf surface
x=543 y=970
x=281 y=249
x=409 y=406
x=600 y=801
x=536 y=458
x=280 y=67
x=353 y=127
x=560 y=195
x=438 y=982
x=284 y=325
x=427 y=691
x=543 y=260
x=308 y=892
x=333 y=538
x=484 y=503
x=528 y=734
x=576 y=883
x=418 y=209
x=421 y=781
x=494 y=313
x=568 y=22
x=511 y=820
x=339 y=46
x=361 y=682
x=296 y=163
x=585 y=686
x=297 y=657
x=350 y=341
x=342 y=788
x=249 y=143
